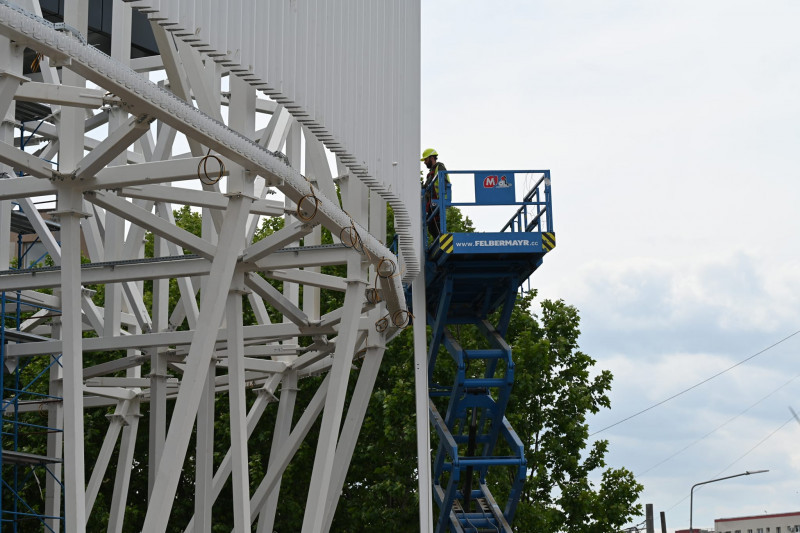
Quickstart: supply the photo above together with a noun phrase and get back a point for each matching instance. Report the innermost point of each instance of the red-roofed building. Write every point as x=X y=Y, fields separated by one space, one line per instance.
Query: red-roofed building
x=765 y=523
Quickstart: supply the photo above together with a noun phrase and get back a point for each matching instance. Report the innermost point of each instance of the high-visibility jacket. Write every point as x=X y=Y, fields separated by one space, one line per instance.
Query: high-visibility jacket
x=432 y=175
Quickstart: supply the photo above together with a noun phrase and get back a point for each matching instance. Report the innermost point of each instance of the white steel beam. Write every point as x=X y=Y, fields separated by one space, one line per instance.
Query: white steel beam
x=118 y=140
x=277 y=300
x=42 y=231
x=144 y=173
x=27 y=163
x=193 y=266
x=266 y=332
x=20 y=187
x=193 y=197
x=56 y=94
x=271 y=243
x=49 y=132
x=157 y=225
x=9 y=86
x=309 y=278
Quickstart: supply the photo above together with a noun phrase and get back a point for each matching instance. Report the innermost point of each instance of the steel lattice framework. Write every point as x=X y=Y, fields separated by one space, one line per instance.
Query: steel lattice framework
x=318 y=101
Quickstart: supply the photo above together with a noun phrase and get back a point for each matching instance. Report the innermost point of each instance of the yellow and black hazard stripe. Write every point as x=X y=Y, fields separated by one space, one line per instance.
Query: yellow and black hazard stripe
x=446 y=243
x=548 y=241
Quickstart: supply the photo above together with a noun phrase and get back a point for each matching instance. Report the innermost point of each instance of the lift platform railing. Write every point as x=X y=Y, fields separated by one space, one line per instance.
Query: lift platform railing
x=475 y=190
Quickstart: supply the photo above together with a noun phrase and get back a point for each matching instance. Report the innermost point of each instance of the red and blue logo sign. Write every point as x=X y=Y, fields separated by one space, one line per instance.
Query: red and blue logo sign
x=494 y=188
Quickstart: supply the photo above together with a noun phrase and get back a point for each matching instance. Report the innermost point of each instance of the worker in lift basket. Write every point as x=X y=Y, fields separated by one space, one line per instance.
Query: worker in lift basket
x=430 y=158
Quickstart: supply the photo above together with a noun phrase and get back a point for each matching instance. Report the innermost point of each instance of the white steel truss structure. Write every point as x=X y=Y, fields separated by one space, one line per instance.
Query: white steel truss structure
x=315 y=100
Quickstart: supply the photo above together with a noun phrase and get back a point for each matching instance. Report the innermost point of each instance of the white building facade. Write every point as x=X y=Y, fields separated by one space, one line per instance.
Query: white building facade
x=767 y=523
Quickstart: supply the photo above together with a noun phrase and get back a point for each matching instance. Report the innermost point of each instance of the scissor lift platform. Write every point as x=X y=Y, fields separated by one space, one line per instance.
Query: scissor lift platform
x=468 y=277
x=482 y=267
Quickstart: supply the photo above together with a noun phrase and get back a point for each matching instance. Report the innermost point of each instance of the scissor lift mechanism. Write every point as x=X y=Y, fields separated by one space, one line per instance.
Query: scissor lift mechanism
x=474 y=278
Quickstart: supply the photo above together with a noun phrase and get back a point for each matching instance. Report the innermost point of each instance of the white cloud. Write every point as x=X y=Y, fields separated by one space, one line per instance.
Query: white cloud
x=729 y=294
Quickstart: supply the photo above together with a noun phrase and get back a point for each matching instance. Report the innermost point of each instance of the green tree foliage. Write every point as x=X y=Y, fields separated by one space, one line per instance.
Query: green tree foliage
x=554 y=392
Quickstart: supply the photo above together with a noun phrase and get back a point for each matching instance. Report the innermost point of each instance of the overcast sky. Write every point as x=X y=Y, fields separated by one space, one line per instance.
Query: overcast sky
x=672 y=130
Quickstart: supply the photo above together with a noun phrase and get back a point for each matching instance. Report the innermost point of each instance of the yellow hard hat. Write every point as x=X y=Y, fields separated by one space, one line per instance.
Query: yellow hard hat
x=427 y=153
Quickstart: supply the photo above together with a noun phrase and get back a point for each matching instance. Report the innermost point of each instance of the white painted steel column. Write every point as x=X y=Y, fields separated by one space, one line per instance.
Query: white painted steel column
x=204 y=449
x=293 y=143
x=242 y=118
x=5 y=229
x=283 y=428
x=421 y=402
x=204 y=445
x=70 y=202
x=158 y=372
x=115 y=225
x=238 y=407
x=122 y=480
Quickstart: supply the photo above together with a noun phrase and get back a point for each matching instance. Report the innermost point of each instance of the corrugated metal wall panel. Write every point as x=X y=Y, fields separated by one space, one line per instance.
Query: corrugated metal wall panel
x=347 y=69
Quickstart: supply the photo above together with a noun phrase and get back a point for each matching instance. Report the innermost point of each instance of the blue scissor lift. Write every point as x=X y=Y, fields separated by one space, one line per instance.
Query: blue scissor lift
x=473 y=279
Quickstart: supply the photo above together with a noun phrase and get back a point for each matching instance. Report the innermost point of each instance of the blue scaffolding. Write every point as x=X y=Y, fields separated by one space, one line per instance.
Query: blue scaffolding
x=473 y=279
x=25 y=399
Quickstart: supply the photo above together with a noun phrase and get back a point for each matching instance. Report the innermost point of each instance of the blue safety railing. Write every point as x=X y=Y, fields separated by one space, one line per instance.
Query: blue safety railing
x=534 y=213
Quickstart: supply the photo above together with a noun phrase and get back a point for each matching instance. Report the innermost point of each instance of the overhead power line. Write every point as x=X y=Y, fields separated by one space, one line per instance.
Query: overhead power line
x=717 y=428
x=745 y=454
x=759 y=443
x=695 y=385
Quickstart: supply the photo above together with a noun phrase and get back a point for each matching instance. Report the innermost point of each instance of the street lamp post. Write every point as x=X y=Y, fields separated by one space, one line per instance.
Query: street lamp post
x=691 y=492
